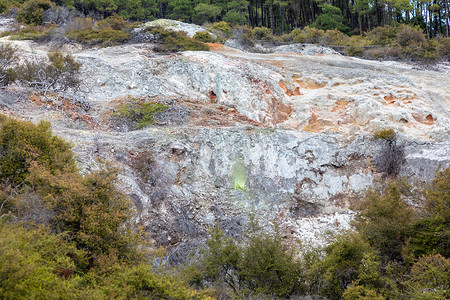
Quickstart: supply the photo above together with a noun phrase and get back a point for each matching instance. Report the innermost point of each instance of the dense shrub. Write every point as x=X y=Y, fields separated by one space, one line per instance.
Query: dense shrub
x=203 y=37
x=307 y=35
x=262 y=265
x=382 y=36
x=104 y=36
x=431 y=233
x=222 y=27
x=32 y=11
x=173 y=41
x=354 y=51
x=384 y=221
x=24 y=145
x=331 y=274
x=262 y=33
x=429 y=278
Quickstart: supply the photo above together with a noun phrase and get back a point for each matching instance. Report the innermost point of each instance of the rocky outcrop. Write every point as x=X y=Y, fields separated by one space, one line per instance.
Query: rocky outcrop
x=285 y=136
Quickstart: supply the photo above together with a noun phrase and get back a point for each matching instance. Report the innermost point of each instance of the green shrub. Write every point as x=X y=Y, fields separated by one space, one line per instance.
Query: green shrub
x=431 y=233
x=31 y=12
x=24 y=145
x=262 y=265
x=382 y=36
x=307 y=35
x=31 y=33
x=429 y=278
x=339 y=267
x=173 y=41
x=222 y=27
x=354 y=51
x=7 y=58
x=387 y=134
x=262 y=33
x=104 y=36
x=384 y=221
x=139 y=113
x=334 y=37
x=204 y=37
x=34 y=263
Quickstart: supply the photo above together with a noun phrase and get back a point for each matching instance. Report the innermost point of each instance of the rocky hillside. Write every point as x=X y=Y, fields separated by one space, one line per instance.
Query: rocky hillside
x=285 y=136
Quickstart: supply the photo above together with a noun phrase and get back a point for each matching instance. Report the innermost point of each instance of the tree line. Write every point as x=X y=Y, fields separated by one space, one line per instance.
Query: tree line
x=281 y=16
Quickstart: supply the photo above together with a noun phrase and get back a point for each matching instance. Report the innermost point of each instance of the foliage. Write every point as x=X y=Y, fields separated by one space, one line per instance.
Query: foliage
x=262 y=33
x=140 y=113
x=34 y=263
x=31 y=12
x=261 y=265
x=203 y=37
x=429 y=278
x=333 y=273
x=331 y=18
x=384 y=221
x=24 y=145
x=307 y=35
x=59 y=75
x=431 y=233
x=7 y=58
x=222 y=27
x=173 y=41
x=354 y=51
x=104 y=36
x=387 y=134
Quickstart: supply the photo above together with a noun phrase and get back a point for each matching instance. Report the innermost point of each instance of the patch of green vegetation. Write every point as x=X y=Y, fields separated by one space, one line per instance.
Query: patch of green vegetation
x=222 y=27
x=173 y=41
x=104 y=36
x=139 y=113
x=203 y=37
x=386 y=134
x=32 y=11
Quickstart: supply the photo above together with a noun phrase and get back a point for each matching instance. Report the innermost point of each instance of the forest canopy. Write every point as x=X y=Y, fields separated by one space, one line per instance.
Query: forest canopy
x=279 y=15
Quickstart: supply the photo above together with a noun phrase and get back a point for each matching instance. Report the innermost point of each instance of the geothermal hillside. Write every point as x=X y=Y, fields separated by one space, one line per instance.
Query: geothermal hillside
x=285 y=136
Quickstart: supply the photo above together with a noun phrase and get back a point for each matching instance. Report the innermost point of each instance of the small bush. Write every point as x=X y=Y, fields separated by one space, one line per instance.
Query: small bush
x=23 y=144
x=385 y=221
x=32 y=12
x=116 y=22
x=222 y=27
x=204 y=37
x=105 y=36
x=262 y=33
x=139 y=114
x=173 y=41
x=59 y=75
x=429 y=278
x=7 y=58
x=387 y=134
x=31 y=33
x=382 y=36
x=354 y=51
x=307 y=35
x=334 y=37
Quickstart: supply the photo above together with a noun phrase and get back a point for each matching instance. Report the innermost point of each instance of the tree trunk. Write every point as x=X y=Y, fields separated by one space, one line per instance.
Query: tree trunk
x=272 y=25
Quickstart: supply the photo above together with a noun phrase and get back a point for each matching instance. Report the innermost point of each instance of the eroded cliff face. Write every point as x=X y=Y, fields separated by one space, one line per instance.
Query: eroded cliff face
x=286 y=137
